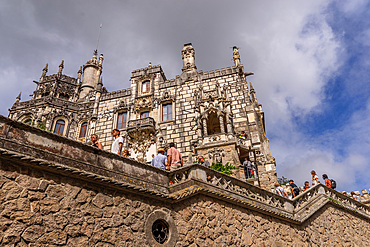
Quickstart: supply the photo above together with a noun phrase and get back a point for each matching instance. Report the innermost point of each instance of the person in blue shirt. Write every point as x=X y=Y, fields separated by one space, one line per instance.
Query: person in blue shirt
x=160 y=161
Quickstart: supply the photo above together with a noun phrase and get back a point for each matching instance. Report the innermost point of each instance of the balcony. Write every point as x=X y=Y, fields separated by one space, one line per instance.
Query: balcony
x=144 y=125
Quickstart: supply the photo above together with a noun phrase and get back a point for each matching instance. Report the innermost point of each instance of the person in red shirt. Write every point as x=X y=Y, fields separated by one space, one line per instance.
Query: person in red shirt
x=174 y=157
x=327 y=180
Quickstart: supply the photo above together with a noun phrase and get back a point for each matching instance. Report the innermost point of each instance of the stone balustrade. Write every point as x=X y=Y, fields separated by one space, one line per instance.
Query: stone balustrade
x=40 y=149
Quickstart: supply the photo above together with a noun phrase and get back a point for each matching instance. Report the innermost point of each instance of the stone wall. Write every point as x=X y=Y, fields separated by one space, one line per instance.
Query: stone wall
x=203 y=221
x=40 y=208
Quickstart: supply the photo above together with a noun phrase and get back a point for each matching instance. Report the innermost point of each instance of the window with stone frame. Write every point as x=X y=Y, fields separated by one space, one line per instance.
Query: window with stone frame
x=144 y=114
x=167 y=111
x=121 y=120
x=83 y=130
x=145 y=86
x=59 y=127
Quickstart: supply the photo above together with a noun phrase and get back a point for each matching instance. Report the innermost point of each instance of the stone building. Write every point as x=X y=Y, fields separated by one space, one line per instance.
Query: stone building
x=202 y=112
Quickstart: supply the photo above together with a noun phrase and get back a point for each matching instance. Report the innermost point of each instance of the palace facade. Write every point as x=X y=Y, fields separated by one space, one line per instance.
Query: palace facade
x=203 y=113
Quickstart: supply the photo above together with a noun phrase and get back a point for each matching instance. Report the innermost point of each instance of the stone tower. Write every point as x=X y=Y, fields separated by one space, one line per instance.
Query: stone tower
x=91 y=74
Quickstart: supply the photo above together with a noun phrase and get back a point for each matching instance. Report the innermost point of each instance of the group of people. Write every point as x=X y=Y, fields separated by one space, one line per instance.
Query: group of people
x=166 y=160
x=294 y=190
x=250 y=168
x=117 y=144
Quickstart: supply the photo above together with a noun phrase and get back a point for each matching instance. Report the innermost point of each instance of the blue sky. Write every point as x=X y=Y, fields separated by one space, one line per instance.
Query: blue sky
x=311 y=61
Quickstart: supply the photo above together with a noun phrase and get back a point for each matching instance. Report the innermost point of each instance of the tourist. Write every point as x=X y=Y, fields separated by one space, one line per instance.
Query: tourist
x=248 y=166
x=356 y=197
x=174 y=157
x=160 y=161
x=203 y=162
x=293 y=188
x=315 y=178
x=117 y=143
x=243 y=136
x=96 y=143
x=327 y=180
x=280 y=191
x=306 y=185
x=126 y=153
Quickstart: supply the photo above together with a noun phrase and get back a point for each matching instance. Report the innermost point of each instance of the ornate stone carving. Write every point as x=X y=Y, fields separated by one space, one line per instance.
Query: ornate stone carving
x=216 y=155
x=143 y=103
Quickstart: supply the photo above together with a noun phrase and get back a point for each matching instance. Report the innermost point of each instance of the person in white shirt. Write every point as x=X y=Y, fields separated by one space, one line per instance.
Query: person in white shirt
x=117 y=143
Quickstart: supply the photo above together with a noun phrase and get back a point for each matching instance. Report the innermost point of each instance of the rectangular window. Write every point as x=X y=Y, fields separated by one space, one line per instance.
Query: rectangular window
x=167 y=112
x=145 y=87
x=144 y=114
x=121 y=120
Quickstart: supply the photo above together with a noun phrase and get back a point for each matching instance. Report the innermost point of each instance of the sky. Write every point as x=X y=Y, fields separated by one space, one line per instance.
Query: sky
x=311 y=64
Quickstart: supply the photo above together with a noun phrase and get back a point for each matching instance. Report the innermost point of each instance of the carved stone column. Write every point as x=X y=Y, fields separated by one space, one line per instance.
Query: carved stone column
x=229 y=127
x=222 y=125
x=199 y=130
x=205 y=127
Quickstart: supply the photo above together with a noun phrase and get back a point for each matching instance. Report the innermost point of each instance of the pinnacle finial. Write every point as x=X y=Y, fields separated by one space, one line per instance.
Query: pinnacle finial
x=79 y=73
x=44 y=70
x=61 y=66
x=18 y=97
x=100 y=84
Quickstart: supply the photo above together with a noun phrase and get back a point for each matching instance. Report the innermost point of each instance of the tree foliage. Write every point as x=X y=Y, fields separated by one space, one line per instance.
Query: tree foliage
x=226 y=169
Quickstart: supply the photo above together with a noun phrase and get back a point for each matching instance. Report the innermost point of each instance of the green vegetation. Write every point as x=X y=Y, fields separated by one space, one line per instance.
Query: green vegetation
x=283 y=180
x=226 y=169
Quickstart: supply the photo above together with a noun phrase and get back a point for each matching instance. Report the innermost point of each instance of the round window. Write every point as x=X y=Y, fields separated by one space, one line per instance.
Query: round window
x=160 y=231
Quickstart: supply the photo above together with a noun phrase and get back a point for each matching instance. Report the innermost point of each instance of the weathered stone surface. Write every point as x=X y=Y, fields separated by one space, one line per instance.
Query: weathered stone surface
x=33 y=233
x=57 y=237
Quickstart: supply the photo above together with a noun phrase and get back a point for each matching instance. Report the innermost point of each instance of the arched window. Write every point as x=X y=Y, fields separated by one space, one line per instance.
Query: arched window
x=83 y=130
x=59 y=127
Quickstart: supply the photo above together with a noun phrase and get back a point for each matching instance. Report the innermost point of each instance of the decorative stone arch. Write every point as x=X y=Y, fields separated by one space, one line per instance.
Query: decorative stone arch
x=27 y=118
x=214 y=121
x=161 y=218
